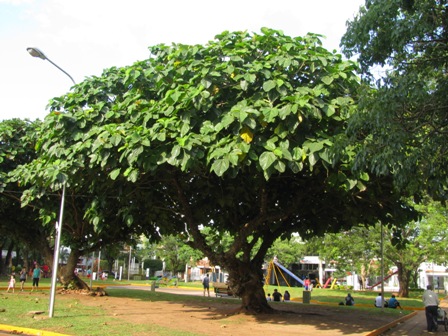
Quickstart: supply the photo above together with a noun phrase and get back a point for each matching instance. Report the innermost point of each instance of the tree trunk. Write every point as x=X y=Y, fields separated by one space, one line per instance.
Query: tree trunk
x=44 y=248
x=246 y=281
x=403 y=280
x=363 y=276
x=67 y=273
x=8 y=258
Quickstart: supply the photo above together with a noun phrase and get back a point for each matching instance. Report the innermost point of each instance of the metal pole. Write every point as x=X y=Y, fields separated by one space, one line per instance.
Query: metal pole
x=91 y=268
x=35 y=52
x=382 y=267
x=99 y=262
x=129 y=263
x=57 y=243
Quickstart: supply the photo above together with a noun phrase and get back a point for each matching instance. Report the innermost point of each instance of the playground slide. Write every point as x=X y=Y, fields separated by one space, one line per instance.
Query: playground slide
x=379 y=282
x=289 y=272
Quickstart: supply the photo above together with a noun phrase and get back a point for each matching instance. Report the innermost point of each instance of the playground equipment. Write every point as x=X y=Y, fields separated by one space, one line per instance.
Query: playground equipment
x=379 y=282
x=276 y=267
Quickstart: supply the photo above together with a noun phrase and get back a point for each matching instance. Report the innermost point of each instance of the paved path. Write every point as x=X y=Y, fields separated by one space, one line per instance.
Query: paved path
x=416 y=326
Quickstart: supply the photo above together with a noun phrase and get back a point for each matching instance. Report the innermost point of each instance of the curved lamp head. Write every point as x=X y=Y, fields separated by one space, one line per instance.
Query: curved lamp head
x=37 y=53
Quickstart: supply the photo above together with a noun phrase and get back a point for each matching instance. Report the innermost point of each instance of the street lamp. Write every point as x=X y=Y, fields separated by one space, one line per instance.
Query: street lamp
x=37 y=53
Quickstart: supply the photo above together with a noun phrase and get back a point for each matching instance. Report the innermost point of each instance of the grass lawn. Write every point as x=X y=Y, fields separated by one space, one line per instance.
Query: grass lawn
x=77 y=319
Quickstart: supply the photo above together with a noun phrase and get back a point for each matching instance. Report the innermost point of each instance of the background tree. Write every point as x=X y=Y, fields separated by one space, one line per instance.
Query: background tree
x=288 y=251
x=176 y=253
x=403 y=122
x=417 y=242
x=350 y=251
x=405 y=247
x=90 y=222
x=245 y=136
x=20 y=227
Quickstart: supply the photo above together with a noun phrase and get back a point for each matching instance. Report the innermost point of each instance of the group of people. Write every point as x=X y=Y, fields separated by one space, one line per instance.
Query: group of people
x=36 y=274
x=391 y=303
x=277 y=296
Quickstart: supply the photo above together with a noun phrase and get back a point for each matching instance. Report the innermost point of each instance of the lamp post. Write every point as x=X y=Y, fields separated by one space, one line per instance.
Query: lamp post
x=382 y=267
x=37 y=53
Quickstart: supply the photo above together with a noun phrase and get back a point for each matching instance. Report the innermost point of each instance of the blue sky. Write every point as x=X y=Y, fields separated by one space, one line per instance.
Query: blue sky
x=86 y=36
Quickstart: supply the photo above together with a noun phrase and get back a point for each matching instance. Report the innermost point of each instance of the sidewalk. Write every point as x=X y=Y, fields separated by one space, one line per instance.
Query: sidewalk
x=416 y=325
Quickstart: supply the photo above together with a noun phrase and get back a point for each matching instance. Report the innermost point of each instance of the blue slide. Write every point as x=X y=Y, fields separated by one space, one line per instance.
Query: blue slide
x=289 y=272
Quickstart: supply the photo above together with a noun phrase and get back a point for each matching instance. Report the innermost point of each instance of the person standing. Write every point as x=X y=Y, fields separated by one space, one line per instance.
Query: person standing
x=22 y=278
x=36 y=277
x=206 y=284
x=431 y=303
x=307 y=284
x=12 y=283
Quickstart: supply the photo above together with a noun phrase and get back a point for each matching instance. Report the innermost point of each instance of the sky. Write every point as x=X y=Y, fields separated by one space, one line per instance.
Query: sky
x=84 y=37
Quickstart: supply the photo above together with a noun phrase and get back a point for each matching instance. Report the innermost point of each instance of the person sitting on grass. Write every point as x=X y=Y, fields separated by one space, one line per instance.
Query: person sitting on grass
x=349 y=300
x=276 y=296
x=393 y=303
x=379 y=300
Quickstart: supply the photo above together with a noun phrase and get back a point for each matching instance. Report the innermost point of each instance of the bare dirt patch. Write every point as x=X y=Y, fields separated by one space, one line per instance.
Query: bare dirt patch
x=214 y=317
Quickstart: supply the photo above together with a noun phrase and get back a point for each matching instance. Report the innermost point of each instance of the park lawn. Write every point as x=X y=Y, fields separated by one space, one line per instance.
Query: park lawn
x=74 y=318
x=318 y=295
x=334 y=296
x=30 y=310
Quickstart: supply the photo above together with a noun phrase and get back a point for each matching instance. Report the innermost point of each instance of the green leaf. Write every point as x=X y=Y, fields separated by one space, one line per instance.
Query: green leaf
x=327 y=80
x=220 y=166
x=269 y=85
x=313 y=146
x=114 y=173
x=267 y=159
x=312 y=159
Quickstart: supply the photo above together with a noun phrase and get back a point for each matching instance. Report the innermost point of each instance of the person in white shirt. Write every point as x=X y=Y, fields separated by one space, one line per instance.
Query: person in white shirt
x=431 y=302
x=378 y=301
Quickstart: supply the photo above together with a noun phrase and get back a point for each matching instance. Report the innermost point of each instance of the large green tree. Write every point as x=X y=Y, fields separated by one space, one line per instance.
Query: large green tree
x=244 y=135
x=403 y=46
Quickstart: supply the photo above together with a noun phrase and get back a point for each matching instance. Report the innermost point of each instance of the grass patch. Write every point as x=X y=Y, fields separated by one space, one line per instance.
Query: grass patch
x=74 y=318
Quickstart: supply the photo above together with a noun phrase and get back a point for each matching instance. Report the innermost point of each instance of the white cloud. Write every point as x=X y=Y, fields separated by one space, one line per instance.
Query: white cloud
x=86 y=36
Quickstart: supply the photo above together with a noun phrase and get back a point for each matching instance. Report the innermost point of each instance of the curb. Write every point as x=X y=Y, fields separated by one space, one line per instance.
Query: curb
x=28 y=331
x=390 y=325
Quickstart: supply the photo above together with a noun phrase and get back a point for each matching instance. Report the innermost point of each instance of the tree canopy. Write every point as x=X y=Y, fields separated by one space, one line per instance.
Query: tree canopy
x=20 y=227
x=244 y=135
x=403 y=121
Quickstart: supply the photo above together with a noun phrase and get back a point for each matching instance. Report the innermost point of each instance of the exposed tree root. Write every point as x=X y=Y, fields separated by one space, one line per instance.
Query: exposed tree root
x=92 y=292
